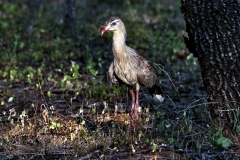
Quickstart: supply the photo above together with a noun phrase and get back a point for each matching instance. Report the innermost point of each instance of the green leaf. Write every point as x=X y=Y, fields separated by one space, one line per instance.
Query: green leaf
x=218 y=133
x=49 y=93
x=170 y=140
x=22 y=44
x=154 y=147
x=94 y=111
x=58 y=125
x=83 y=122
x=226 y=142
x=220 y=140
x=52 y=127
x=82 y=133
x=72 y=135
x=184 y=113
x=199 y=146
x=10 y=99
x=168 y=125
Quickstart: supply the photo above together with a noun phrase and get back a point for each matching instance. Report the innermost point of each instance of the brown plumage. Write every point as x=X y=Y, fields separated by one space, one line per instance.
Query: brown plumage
x=129 y=66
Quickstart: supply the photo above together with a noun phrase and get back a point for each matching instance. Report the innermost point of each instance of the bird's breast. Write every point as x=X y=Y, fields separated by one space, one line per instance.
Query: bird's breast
x=126 y=71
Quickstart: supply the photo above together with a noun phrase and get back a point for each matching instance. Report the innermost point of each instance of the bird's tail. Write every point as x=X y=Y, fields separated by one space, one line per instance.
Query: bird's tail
x=157 y=93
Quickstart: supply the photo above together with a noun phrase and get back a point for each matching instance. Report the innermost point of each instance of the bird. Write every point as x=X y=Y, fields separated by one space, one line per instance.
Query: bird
x=130 y=67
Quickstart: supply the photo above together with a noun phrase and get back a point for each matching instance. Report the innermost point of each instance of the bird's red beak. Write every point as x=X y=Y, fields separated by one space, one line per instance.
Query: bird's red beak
x=103 y=31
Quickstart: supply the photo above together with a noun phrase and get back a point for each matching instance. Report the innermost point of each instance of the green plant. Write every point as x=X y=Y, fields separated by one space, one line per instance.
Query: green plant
x=219 y=140
x=154 y=147
x=92 y=67
x=74 y=71
x=199 y=146
x=54 y=125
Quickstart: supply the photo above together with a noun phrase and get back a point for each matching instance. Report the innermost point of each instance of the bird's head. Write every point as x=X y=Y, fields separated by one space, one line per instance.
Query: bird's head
x=113 y=24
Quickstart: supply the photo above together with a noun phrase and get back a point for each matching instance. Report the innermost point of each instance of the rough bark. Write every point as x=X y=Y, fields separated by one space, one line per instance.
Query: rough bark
x=214 y=38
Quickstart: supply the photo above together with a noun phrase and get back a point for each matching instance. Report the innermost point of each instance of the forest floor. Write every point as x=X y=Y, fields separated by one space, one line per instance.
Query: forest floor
x=56 y=102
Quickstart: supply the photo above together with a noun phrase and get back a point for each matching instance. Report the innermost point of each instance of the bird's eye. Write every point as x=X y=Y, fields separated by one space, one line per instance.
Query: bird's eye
x=114 y=23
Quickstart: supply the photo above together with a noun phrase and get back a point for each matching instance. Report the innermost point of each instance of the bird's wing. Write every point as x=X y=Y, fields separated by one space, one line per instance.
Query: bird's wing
x=112 y=76
x=147 y=74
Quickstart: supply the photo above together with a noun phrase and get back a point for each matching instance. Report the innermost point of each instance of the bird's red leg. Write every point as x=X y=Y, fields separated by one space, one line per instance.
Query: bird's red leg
x=136 y=103
x=132 y=95
x=133 y=105
x=135 y=109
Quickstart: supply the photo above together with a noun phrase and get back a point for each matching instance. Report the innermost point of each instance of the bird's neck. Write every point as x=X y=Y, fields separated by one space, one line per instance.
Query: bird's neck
x=119 y=45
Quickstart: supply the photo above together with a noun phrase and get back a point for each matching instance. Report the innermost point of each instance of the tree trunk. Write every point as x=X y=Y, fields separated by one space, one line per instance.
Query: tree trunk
x=70 y=19
x=214 y=38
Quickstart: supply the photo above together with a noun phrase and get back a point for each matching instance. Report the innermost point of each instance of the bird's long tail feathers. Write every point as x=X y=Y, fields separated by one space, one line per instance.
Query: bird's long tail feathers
x=157 y=93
